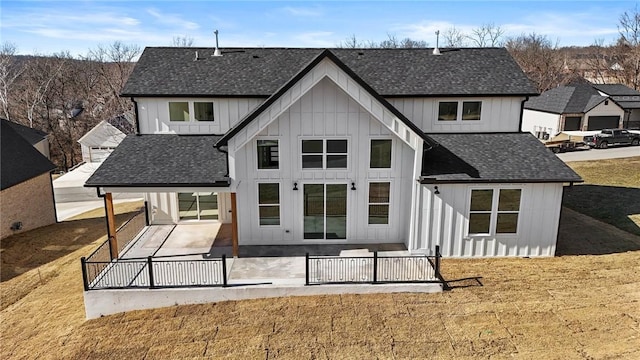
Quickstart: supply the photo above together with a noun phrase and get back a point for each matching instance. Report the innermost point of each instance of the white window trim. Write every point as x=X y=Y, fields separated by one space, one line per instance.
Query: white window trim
x=255 y=143
x=324 y=152
x=393 y=143
x=192 y=112
x=279 y=204
x=458 y=119
x=197 y=208
x=494 y=211
x=388 y=224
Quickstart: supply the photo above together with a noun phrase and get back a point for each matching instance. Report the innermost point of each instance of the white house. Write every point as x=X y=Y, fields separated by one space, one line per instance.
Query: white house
x=342 y=146
x=627 y=98
x=574 y=107
x=103 y=138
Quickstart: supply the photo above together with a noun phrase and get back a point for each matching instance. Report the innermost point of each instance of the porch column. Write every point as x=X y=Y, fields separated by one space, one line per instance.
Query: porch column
x=111 y=225
x=234 y=225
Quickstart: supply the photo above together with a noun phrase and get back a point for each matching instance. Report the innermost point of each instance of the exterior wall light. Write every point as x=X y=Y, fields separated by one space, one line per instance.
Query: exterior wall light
x=436 y=190
x=295 y=186
x=353 y=186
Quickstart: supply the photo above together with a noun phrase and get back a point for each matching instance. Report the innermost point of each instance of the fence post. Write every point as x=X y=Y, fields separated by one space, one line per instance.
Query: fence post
x=437 y=269
x=147 y=221
x=150 y=266
x=224 y=270
x=375 y=267
x=85 y=279
x=306 y=269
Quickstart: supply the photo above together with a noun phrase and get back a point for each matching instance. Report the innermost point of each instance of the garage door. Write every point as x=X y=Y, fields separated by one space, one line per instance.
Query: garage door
x=603 y=122
x=572 y=123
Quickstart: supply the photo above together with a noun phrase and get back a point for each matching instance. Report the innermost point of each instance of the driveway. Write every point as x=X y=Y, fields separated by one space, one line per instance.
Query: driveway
x=600 y=154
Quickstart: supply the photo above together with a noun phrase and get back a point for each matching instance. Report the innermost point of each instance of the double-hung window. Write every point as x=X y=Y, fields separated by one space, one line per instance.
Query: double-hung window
x=459 y=110
x=182 y=111
x=269 y=203
x=268 y=154
x=379 y=202
x=494 y=211
x=324 y=154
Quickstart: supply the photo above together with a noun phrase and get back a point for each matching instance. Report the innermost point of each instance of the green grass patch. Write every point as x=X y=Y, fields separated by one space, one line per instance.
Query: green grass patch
x=611 y=192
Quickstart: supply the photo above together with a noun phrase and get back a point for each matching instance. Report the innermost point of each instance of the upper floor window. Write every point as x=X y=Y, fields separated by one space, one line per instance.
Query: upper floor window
x=380 y=155
x=182 y=110
x=268 y=154
x=459 y=110
x=494 y=211
x=324 y=154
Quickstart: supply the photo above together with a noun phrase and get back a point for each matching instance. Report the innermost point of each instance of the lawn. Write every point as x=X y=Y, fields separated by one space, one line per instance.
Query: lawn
x=583 y=304
x=611 y=192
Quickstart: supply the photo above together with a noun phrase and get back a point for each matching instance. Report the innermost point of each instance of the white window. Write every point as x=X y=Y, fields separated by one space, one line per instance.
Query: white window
x=324 y=154
x=269 y=203
x=494 y=211
x=380 y=154
x=459 y=110
x=182 y=110
x=268 y=154
x=379 y=202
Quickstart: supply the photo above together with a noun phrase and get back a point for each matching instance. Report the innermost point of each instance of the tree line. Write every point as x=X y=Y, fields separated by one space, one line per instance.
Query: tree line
x=66 y=96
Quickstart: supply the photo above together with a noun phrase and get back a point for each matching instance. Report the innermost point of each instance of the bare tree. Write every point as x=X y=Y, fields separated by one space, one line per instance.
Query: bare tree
x=453 y=37
x=10 y=70
x=182 y=41
x=392 y=42
x=114 y=65
x=538 y=58
x=627 y=49
x=487 y=35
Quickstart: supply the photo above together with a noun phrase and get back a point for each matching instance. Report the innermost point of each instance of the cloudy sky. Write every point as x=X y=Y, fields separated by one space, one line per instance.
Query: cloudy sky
x=47 y=27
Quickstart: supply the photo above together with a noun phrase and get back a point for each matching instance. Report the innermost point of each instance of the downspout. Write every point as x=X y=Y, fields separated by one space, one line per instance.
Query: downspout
x=522 y=113
x=53 y=196
x=227 y=158
x=135 y=111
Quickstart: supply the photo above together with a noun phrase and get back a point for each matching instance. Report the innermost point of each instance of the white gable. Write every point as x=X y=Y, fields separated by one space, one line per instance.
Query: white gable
x=327 y=69
x=102 y=135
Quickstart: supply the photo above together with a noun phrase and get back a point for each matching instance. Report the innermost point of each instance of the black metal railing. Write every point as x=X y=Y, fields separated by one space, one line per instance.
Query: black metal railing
x=153 y=273
x=373 y=269
x=130 y=229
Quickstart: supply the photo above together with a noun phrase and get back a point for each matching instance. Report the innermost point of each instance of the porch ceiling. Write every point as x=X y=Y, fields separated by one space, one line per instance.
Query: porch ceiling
x=163 y=160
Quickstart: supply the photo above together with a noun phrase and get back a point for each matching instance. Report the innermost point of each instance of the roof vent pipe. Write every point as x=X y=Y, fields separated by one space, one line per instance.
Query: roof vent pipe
x=436 y=51
x=196 y=59
x=217 y=51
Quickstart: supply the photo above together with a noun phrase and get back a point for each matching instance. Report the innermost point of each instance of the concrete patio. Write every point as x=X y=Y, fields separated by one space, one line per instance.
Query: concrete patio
x=184 y=255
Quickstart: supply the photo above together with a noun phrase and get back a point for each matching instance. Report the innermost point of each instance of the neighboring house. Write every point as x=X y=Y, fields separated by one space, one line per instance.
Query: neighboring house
x=333 y=146
x=26 y=196
x=38 y=139
x=103 y=138
x=574 y=107
x=627 y=98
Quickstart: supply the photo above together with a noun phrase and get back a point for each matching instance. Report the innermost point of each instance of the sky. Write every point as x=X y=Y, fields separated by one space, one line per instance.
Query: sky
x=47 y=27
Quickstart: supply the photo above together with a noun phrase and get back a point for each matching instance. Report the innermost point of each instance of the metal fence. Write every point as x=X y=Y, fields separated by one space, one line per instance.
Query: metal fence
x=373 y=269
x=130 y=229
x=153 y=273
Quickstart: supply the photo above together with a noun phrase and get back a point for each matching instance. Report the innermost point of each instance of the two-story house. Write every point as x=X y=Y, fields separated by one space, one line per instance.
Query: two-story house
x=342 y=146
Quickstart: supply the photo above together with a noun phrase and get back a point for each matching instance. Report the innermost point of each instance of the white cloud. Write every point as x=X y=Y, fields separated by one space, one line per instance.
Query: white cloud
x=172 y=20
x=303 y=11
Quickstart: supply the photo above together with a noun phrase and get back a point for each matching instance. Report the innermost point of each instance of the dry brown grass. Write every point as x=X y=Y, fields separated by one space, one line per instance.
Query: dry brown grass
x=119 y=208
x=567 y=307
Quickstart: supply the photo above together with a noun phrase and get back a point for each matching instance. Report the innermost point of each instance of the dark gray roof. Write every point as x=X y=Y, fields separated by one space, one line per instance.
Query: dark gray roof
x=616 y=89
x=493 y=157
x=33 y=136
x=163 y=160
x=20 y=161
x=261 y=71
x=569 y=99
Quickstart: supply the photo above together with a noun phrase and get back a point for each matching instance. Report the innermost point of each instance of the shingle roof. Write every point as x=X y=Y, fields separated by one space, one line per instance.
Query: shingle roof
x=616 y=89
x=390 y=72
x=33 y=136
x=20 y=161
x=163 y=160
x=478 y=158
x=575 y=98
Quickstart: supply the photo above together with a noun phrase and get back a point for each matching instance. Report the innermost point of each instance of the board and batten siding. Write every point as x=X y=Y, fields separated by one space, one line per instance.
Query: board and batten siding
x=324 y=112
x=444 y=221
x=533 y=120
x=498 y=114
x=153 y=115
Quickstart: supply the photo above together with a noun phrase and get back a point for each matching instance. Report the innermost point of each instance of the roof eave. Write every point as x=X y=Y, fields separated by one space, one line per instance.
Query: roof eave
x=431 y=180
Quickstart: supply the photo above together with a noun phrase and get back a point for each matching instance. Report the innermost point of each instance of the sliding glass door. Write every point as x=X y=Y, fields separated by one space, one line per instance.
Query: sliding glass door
x=325 y=211
x=198 y=206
